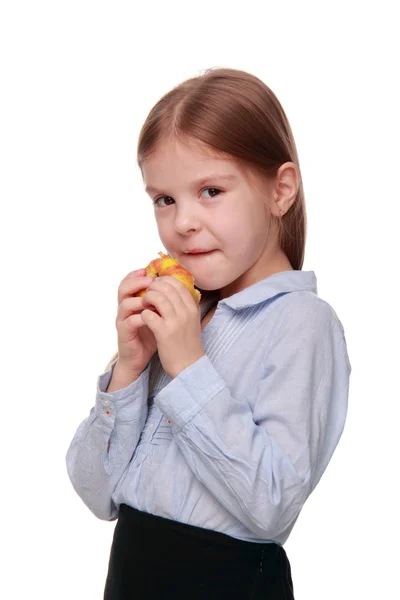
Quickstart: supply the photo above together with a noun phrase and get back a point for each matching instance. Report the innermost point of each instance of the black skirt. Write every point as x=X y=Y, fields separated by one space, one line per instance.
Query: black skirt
x=154 y=558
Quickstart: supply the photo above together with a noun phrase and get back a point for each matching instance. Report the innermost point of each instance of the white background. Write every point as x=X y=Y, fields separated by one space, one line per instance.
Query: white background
x=77 y=81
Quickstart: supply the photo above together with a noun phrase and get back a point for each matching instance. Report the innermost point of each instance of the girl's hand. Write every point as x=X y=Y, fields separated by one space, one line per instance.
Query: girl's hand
x=177 y=326
x=136 y=343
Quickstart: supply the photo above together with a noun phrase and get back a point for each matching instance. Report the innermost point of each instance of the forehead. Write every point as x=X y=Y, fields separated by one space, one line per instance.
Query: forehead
x=174 y=160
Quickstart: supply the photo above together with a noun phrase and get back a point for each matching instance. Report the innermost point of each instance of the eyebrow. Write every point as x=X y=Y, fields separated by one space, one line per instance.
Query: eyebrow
x=203 y=180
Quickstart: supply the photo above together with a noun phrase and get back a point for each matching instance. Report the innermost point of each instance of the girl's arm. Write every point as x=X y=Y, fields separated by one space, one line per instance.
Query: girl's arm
x=262 y=461
x=105 y=441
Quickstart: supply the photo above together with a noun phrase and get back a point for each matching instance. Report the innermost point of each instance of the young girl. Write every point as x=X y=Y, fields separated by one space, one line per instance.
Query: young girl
x=215 y=422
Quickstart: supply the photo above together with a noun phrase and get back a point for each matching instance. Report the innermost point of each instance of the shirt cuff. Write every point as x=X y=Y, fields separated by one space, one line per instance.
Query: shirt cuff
x=122 y=405
x=182 y=398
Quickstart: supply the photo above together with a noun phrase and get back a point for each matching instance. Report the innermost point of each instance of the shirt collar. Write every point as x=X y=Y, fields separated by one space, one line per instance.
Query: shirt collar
x=265 y=289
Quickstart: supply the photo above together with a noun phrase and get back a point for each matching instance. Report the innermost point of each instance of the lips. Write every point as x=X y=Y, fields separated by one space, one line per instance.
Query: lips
x=199 y=252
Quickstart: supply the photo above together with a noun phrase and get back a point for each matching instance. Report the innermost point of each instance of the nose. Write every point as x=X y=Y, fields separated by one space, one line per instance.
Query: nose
x=186 y=219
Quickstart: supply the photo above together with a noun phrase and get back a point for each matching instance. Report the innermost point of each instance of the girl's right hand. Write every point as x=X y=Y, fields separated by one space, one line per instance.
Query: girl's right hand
x=136 y=342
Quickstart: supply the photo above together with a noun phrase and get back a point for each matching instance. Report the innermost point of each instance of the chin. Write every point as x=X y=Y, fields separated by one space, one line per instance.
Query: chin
x=210 y=285
x=207 y=288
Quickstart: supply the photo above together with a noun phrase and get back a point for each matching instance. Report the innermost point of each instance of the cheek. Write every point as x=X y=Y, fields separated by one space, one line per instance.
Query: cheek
x=238 y=226
x=164 y=230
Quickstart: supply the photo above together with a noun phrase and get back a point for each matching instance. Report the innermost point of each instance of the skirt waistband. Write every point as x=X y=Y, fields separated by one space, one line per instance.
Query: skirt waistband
x=156 y=524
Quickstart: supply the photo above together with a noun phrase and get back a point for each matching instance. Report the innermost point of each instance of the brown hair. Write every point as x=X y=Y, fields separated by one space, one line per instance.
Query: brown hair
x=235 y=113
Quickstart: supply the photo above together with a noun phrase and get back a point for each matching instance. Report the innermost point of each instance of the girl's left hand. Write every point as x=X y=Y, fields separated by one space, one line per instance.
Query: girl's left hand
x=177 y=327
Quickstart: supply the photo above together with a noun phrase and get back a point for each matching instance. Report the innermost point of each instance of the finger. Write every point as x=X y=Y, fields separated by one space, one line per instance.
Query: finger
x=171 y=292
x=152 y=320
x=133 y=274
x=129 y=287
x=161 y=303
x=137 y=272
x=129 y=306
x=180 y=288
x=135 y=321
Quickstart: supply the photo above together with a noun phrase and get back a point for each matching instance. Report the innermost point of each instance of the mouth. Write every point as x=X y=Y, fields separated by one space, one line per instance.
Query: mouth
x=199 y=254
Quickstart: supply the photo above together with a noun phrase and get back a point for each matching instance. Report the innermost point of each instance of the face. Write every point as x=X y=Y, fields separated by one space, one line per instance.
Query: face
x=208 y=201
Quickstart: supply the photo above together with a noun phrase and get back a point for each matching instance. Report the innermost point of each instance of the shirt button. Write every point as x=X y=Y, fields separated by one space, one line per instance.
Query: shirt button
x=151 y=425
x=106 y=402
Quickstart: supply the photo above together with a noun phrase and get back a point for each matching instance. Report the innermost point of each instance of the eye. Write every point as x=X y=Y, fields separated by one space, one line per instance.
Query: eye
x=157 y=200
x=215 y=191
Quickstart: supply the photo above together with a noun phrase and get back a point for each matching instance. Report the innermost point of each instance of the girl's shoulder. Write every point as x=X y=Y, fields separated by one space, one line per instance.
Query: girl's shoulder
x=303 y=309
x=303 y=319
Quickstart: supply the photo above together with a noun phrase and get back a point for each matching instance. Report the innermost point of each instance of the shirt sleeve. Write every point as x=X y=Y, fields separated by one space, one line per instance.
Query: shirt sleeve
x=261 y=460
x=105 y=441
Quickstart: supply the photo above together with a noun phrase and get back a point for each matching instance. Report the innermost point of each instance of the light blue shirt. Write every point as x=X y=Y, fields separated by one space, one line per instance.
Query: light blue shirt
x=238 y=440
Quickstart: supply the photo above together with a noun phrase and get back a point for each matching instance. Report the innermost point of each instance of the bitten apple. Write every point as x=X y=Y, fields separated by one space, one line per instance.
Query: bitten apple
x=166 y=265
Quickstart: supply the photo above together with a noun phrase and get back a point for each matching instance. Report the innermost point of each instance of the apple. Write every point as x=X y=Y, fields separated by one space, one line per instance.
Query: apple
x=166 y=265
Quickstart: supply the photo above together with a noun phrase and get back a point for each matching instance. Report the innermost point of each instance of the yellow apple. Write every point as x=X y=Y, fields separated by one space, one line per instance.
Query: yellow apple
x=166 y=265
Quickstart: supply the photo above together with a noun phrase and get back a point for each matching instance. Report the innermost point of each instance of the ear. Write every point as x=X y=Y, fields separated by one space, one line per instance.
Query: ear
x=286 y=186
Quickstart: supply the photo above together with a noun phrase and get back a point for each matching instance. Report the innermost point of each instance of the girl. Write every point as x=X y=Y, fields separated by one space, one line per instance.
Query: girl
x=214 y=422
